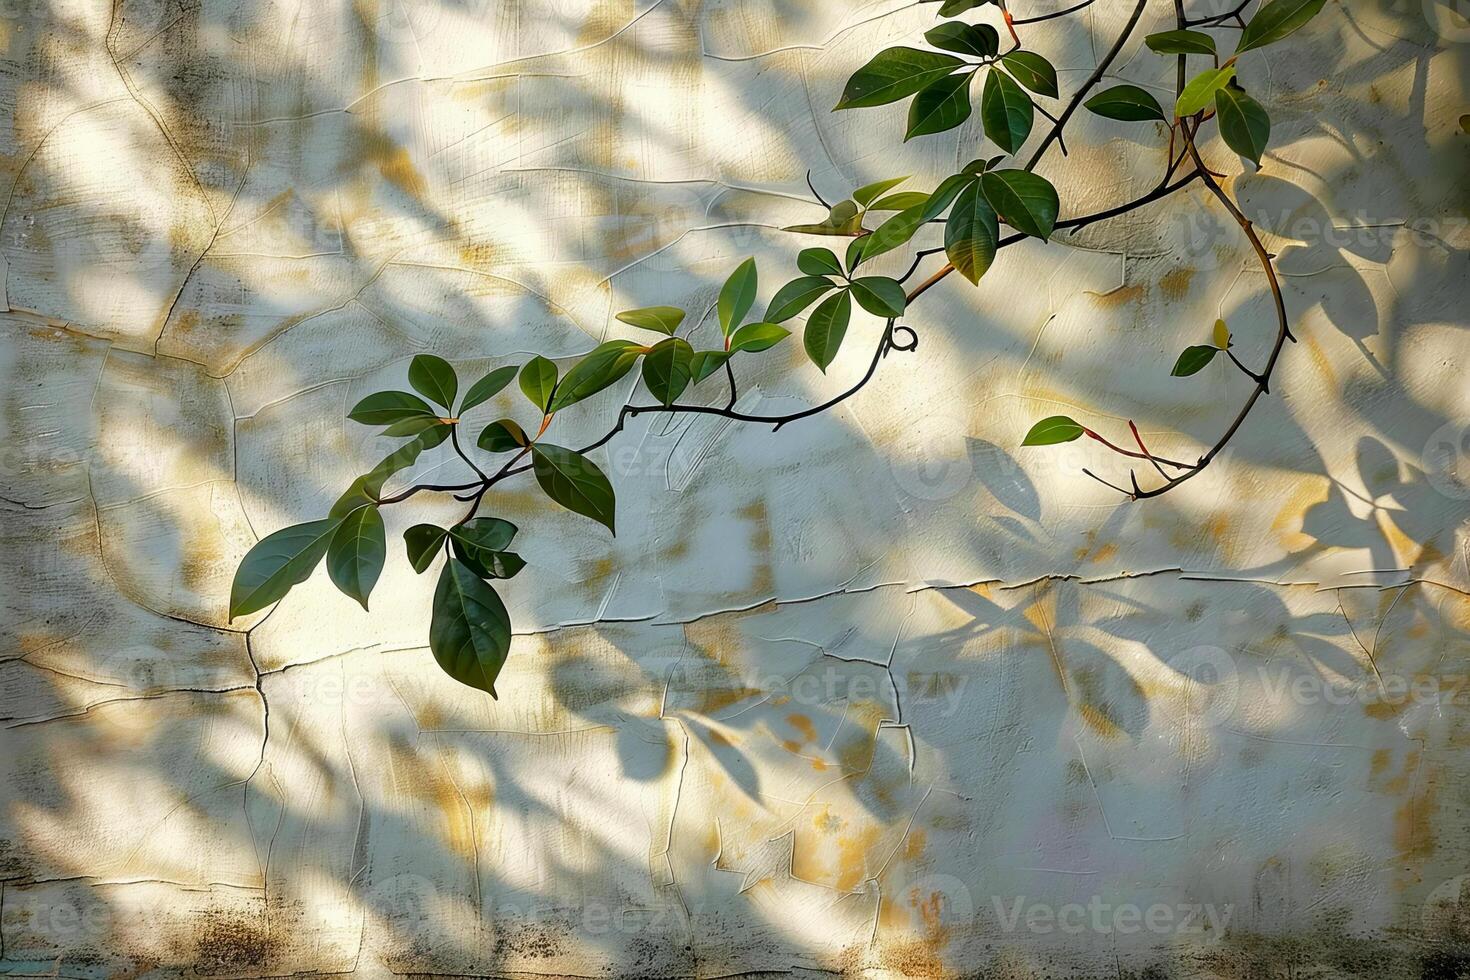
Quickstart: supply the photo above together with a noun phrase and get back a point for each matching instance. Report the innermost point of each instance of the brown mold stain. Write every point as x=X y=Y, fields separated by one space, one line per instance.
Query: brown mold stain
x=1175 y=285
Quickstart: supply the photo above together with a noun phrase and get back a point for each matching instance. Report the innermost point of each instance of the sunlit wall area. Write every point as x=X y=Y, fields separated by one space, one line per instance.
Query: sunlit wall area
x=882 y=693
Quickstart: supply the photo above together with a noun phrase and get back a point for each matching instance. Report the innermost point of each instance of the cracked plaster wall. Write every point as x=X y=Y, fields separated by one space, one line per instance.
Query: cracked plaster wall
x=850 y=697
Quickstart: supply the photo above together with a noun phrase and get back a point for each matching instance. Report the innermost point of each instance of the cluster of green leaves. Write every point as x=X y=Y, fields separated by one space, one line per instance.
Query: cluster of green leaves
x=1244 y=123
x=470 y=631
x=940 y=80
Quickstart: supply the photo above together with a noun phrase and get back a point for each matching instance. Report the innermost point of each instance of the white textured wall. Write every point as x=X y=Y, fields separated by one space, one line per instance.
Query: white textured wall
x=837 y=698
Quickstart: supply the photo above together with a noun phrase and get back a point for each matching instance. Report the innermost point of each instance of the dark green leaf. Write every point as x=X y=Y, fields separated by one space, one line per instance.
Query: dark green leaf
x=367 y=488
x=487 y=388
x=1200 y=91
x=737 y=296
x=1024 y=201
x=899 y=201
x=1181 y=42
x=940 y=107
x=843 y=219
x=953 y=7
x=1244 y=122
x=503 y=436
x=707 y=362
x=949 y=188
x=868 y=193
x=387 y=407
x=434 y=378
x=818 y=262
x=976 y=40
x=1006 y=111
x=1275 y=20
x=756 y=337
x=662 y=319
x=879 y=295
x=603 y=366
x=826 y=327
x=277 y=562
x=857 y=250
x=490 y=533
x=668 y=369
x=1127 y=103
x=1049 y=432
x=972 y=233
x=412 y=425
x=894 y=232
x=575 y=482
x=469 y=633
x=356 y=553
x=422 y=542
x=538 y=380
x=1032 y=71
x=894 y=74
x=1193 y=360
x=796 y=296
x=489 y=564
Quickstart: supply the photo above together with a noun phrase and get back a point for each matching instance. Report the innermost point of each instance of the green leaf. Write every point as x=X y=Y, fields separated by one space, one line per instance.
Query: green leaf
x=868 y=193
x=661 y=319
x=387 y=407
x=857 y=251
x=1006 y=111
x=843 y=219
x=367 y=488
x=603 y=366
x=756 y=337
x=953 y=7
x=1024 y=201
x=356 y=553
x=487 y=388
x=940 y=107
x=737 y=296
x=489 y=564
x=575 y=482
x=1193 y=360
x=469 y=633
x=1244 y=123
x=277 y=562
x=707 y=362
x=1032 y=71
x=976 y=40
x=900 y=201
x=422 y=542
x=412 y=425
x=434 y=378
x=972 y=233
x=1127 y=103
x=1181 y=42
x=489 y=533
x=818 y=262
x=668 y=369
x=796 y=296
x=826 y=327
x=538 y=381
x=894 y=74
x=1275 y=20
x=880 y=295
x=1200 y=91
x=894 y=232
x=1049 y=432
x=503 y=436
x=944 y=195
